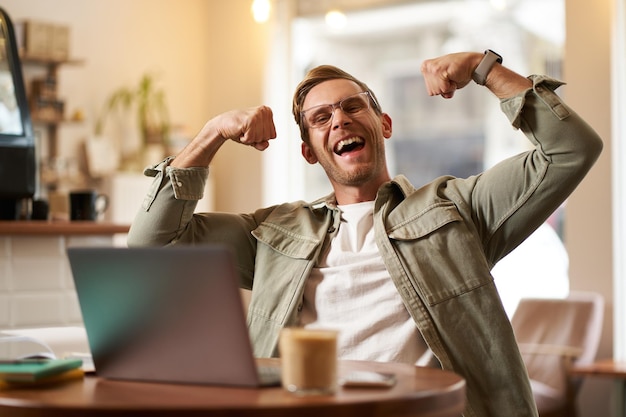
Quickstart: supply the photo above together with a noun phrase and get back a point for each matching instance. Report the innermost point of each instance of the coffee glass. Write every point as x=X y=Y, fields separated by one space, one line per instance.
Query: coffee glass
x=308 y=360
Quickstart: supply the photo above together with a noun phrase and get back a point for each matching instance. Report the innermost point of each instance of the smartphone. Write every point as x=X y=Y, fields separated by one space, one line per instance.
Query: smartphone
x=365 y=379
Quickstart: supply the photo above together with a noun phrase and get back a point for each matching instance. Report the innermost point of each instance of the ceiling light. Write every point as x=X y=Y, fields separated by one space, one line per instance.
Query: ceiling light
x=499 y=5
x=261 y=10
x=336 y=19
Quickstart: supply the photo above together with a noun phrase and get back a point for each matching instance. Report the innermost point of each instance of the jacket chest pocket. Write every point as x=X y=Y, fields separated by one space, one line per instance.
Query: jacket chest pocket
x=441 y=255
x=283 y=261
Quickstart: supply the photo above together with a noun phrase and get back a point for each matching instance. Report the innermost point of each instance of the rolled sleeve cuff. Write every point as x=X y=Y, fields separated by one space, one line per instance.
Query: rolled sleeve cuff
x=188 y=183
x=543 y=87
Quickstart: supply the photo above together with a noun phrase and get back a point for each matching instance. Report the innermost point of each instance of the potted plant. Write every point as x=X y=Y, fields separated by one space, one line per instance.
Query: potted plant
x=149 y=103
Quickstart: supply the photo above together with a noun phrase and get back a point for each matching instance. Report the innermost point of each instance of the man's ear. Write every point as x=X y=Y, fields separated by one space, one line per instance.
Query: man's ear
x=386 y=119
x=308 y=154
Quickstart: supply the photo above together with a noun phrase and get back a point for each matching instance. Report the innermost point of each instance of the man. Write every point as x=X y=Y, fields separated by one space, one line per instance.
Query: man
x=398 y=270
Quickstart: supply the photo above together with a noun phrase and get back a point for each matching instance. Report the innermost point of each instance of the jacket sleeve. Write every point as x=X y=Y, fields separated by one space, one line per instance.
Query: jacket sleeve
x=166 y=217
x=510 y=200
x=168 y=206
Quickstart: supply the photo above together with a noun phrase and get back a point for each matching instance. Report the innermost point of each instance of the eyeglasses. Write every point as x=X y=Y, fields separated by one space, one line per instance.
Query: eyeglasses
x=320 y=116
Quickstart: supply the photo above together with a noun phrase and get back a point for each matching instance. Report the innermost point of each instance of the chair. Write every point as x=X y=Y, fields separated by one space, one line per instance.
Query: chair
x=553 y=335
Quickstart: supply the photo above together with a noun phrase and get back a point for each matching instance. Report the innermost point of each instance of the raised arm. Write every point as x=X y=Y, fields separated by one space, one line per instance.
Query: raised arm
x=167 y=213
x=446 y=74
x=508 y=201
x=253 y=127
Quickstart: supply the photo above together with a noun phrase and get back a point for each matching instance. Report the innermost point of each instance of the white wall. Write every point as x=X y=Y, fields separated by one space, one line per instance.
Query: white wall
x=619 y=177
x=588 y=227
x=119 y=41
x=237 y=56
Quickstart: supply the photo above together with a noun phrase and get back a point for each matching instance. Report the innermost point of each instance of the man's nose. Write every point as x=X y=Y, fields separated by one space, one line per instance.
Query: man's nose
x=340 y=118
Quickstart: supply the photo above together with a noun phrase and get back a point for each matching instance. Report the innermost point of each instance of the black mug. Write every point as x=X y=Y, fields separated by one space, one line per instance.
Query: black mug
x=40 y=210
x=87 y=204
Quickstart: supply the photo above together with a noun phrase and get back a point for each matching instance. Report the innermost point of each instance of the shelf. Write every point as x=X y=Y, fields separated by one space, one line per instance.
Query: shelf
x=58 y=227
x=49 y=61
x=43 y=98
x=55 y=123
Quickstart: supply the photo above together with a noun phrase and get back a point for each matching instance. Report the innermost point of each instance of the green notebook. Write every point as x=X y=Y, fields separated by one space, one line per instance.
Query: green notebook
x=35 y=369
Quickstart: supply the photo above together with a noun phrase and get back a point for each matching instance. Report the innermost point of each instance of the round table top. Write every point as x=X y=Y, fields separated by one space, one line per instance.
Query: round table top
x=418 y=392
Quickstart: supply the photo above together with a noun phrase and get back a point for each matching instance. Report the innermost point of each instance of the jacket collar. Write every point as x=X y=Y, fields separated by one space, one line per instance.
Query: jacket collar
x=329 y=202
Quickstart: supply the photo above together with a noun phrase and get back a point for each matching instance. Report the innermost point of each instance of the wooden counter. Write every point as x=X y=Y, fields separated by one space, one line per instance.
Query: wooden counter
x=59 y=227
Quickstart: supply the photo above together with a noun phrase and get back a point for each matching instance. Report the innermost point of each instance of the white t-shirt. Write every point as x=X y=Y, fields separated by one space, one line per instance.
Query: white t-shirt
x=350 y=290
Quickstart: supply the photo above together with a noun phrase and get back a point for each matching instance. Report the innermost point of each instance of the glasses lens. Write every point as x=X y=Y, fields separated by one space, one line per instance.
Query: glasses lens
x=320 y=116
x=354 y=104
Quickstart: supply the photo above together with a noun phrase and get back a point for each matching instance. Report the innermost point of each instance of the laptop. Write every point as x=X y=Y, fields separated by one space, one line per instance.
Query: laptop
x=172 y=314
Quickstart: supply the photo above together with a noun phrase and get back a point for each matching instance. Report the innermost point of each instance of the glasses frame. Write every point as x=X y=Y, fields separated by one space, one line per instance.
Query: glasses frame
x=335 y=106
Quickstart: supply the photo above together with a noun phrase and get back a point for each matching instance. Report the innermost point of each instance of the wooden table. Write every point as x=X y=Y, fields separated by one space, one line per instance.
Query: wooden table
x=608 y=368
x=420 y=392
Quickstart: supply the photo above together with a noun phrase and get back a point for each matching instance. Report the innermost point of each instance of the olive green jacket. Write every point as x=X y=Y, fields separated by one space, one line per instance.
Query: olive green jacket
x=438 y=242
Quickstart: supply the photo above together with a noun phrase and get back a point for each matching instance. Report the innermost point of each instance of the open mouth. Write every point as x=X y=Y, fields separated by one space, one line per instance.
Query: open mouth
x=349 y=145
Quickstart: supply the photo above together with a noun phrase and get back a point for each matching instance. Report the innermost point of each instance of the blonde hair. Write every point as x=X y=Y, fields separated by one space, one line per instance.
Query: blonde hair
x=317 y=76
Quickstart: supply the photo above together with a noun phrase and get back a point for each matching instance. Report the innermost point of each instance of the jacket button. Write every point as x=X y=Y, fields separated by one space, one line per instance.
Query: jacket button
x=331 y=229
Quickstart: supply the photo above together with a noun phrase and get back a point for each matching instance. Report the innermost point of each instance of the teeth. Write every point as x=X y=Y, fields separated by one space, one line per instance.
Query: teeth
x=347 y=142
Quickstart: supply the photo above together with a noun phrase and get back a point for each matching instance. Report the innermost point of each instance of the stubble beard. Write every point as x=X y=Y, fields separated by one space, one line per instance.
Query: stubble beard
x=359 y=175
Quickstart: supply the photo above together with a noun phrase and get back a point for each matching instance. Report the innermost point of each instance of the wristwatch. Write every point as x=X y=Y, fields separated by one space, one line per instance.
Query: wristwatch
x=480 y=73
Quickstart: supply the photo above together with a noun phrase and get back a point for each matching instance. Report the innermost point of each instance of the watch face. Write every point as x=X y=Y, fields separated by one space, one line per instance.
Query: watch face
x=498 y=56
